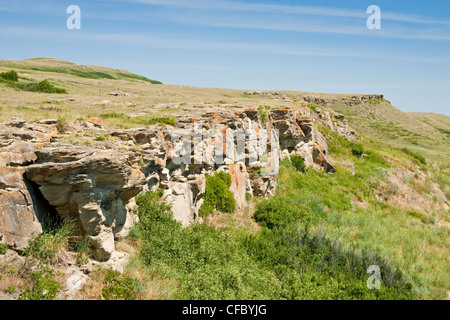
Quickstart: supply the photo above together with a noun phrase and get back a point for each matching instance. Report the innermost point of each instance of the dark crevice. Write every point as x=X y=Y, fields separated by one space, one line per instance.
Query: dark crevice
x=45 y=213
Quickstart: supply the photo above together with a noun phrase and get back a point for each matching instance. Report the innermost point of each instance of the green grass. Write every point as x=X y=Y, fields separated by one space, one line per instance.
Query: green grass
x=204 y=262
x=416 y=157
x=408 y=240
x=287 y=259
x=141 y=120
x=85 y=72
x=47 y=245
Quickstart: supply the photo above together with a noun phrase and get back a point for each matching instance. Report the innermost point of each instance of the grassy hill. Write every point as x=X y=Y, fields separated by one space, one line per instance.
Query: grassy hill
x=66 y=67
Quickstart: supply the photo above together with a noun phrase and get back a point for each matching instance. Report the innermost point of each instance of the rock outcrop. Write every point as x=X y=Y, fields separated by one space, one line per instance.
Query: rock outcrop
x=93 y=187
x=95 y=182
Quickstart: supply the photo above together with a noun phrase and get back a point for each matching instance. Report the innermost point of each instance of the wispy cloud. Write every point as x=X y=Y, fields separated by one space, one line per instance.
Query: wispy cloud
x=287 y=9
x=278 y=23
x=173 y=41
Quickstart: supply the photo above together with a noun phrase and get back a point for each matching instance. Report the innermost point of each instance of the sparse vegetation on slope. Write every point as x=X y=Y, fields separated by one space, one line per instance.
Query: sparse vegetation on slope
x=65 y=67
x=286 y=260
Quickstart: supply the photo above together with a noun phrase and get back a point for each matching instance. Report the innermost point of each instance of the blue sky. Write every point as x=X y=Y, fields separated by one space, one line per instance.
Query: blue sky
x=317 y=46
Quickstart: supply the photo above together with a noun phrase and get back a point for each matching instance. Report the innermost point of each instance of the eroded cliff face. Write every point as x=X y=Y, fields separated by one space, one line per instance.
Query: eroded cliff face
x=95 y=182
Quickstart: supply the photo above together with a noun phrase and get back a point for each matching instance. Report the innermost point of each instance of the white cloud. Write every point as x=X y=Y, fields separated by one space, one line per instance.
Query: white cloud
x=173 y=41
x=287 y=9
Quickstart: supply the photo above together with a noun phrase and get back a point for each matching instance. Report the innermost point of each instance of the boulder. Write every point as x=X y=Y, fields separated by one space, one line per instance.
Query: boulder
x=91 y=186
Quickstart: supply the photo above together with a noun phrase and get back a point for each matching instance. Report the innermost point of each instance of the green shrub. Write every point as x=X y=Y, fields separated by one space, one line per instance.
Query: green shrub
x=298 y=163
x=357 y=149
x=263 y=114
x=204 y=262
x=10 y=289
x=277 y=212
x=10 y=76
x=44 y=86
x=3 y=248
x=311 y=266
x=119 y=287
x=217 y=194
x=45 y=287
x=100 y=138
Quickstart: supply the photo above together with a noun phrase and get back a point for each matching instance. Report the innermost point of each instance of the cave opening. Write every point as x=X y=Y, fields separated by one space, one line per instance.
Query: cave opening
x=46 y=214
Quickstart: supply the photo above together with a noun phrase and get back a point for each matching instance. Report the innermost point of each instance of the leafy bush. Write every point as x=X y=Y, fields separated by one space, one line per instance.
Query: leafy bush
x=205 y=263
x=45 y=287
x=3 y=248
x=119 y=287
x=10 y=76
x=298 y=163
x=277 y=212
x=357 y=149
x=44 y=86
x=218 y=195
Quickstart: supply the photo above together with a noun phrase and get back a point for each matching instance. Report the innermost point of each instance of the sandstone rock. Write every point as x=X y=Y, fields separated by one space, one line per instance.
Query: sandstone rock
x=18 y=222
x=12 y=258
x=181 y=198
x=74 y=283
x=91 y=186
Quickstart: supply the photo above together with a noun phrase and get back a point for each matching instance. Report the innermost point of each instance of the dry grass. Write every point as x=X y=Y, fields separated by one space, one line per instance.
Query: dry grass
x=240 y=220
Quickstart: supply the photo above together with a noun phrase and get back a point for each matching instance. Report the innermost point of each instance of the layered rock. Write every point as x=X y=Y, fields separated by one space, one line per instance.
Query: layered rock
x=93 y=187
x=96 y=185
x=18 y=220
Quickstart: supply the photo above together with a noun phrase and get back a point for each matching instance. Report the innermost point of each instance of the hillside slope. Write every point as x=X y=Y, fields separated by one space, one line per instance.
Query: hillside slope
x=66 y=67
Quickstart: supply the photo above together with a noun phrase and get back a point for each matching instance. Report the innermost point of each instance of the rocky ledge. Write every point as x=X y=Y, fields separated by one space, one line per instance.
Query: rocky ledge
x=92 y=175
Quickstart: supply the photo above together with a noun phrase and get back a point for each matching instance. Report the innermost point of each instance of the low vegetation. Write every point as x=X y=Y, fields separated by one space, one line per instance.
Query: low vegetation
x=263 y=113
x=3 y=248
x=44 y=286
x=217 y=194
x=43 y=86
x=65 y=67
x=417 y=157
x=141 y=120
x=287 y=259
x=298 y=163
x=11 y=78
